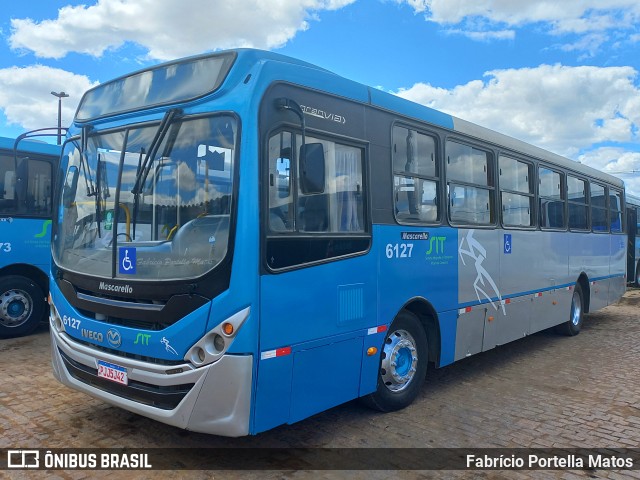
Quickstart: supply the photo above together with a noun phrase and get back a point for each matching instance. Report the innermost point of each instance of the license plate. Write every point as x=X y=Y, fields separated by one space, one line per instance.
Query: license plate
x=112 y=372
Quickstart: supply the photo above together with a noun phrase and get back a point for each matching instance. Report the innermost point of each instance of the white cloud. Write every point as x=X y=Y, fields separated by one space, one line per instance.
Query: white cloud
x=578 y=17
x=167 y=28
x=26 y=100
x=484 y=36
x=612 y=160
x=617 y=161
x=563 y=109
x=568 y=16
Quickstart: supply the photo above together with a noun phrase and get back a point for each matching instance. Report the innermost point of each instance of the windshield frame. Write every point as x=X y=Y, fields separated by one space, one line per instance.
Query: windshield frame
x=195 y=282
x=227 y=60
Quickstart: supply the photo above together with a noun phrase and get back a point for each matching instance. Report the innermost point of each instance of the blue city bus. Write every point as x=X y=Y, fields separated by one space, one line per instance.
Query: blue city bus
x=633 y=245
x=26 y=174
x=243 y=240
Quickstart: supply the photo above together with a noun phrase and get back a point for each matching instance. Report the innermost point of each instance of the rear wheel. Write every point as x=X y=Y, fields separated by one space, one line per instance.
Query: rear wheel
x=22 y=306
x=574 y=324
x=403 y=365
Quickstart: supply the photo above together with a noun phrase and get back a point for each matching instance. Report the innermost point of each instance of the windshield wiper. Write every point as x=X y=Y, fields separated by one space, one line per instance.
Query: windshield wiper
x=84 y=163
x=143 y=171
x=98 y=196
x=136 y=196
x=145 y=166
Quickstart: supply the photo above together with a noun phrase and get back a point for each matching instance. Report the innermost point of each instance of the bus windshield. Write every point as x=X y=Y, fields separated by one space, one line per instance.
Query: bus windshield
x=136 y=204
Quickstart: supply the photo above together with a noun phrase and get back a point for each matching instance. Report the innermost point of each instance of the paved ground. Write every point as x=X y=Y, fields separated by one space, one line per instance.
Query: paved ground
x=541 y=391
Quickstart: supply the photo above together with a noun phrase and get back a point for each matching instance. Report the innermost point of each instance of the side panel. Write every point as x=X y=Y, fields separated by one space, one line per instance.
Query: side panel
x=24 y=240
x=313 y=321
x=470 y=332
x=617 y=286
x=318 y=371
x=419 y=264
x=511 y=325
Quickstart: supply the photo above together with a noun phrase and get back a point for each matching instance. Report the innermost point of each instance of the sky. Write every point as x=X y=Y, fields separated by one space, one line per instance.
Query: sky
x=562 y=75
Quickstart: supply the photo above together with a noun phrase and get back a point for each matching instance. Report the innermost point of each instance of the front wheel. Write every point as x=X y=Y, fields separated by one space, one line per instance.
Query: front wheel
x=403 y=365
x=572 y=326
x=22 y=306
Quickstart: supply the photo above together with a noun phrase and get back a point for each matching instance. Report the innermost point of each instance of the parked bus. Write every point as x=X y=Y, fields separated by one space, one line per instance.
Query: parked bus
x=243 y=240
x=25 y=221
x=633 y=235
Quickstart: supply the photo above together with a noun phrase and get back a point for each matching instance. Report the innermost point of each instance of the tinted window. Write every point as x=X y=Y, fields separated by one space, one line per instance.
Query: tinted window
x=578 y=203
x=415 y=180
x=467 y=164
x=599 y=220
x=470 y=185
x=318 y=224
x=615 y=211
x=551 y=202
x=517 y=192
x=14 y=199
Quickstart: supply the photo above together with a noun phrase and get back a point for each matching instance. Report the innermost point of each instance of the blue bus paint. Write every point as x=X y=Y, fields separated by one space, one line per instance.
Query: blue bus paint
x=26 y=181
x=238 y=321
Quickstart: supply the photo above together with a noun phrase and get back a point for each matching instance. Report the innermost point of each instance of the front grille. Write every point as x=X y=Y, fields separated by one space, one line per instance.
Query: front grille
x=132 y=356
x=127 y=322
x=165 y=398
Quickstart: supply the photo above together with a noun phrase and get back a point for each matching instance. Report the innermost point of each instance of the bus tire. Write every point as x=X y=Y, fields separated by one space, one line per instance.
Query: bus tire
x=403 y=365
x=637 y=283
x=572 y=326
x=22 y=306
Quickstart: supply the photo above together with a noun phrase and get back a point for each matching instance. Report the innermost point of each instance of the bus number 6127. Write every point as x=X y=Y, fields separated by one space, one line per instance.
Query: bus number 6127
x=399 y=250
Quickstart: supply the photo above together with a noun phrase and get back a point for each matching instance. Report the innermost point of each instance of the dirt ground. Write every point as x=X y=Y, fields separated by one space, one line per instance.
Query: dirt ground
x=541 y=391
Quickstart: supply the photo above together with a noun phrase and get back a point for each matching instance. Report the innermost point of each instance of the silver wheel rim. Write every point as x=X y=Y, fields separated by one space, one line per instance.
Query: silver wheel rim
x=576 y=309
x=400 y=360
x=15 y=308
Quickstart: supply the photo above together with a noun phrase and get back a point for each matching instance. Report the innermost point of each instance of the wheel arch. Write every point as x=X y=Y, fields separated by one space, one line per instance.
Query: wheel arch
x=583 y=282
x=28 y=271
x=423 y=309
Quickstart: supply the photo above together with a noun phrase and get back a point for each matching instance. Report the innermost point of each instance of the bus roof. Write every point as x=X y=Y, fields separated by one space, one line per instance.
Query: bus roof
x=30 y=146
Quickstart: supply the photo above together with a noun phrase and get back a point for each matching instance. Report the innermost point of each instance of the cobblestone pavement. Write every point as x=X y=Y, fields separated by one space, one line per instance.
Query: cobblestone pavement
x=542 y=391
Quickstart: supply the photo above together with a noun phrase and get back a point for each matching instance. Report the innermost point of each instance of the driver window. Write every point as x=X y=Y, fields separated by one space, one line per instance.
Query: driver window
x=280 y=196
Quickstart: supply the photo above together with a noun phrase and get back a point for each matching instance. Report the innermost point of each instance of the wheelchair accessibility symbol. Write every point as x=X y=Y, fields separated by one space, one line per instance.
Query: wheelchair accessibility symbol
x=507 y=243
x=127 y=260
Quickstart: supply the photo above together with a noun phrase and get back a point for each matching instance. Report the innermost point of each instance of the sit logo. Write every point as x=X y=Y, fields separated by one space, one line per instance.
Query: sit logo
x=436 y=245
x=142 y=339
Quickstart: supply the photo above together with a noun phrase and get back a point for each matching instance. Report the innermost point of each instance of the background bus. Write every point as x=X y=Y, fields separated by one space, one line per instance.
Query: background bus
x=25 y=233
x=249 y=240
x=633 y=235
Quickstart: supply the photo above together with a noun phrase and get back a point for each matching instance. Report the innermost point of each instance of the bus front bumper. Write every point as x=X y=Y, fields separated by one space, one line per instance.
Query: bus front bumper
x=214 y=399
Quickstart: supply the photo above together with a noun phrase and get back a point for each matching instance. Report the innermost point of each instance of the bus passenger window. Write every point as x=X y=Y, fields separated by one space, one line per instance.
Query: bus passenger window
x=551 y=199
x=470 y=185
x=599 y=221
x=578 y=203
x=39 y=188
x=415 y=177
x=7 y=184
x=516 y=189
x=615 y=211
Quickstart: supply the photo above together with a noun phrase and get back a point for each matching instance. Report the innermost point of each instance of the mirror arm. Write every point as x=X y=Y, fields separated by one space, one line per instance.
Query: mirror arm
x=288 y=104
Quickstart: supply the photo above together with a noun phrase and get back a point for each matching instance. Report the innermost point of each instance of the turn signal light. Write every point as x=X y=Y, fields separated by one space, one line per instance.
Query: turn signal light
x=227 y=328
x=371 y=351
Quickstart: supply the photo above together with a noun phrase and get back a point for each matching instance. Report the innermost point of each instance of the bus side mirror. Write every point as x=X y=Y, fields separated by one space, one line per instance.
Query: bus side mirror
x=312 y=171
x=70 y=186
